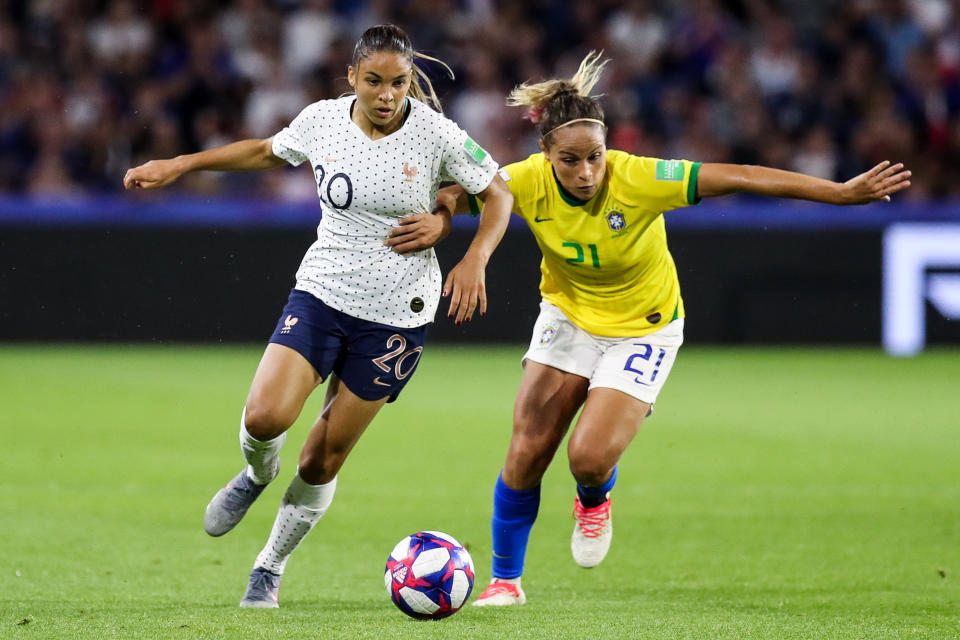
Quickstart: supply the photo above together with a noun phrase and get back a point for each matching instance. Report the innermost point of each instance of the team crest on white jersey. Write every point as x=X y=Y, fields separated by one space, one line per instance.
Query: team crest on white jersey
x=409 y=172
x=548 y=334
x=288 y=323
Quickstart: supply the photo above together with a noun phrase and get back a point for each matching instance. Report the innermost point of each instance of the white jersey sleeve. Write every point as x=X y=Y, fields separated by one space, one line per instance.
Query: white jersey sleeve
x=289 y=144
x=464 y=161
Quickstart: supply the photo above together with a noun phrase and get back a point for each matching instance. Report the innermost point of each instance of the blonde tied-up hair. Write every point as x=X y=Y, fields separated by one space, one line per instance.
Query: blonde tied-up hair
x=393 y=39
x=553 y=103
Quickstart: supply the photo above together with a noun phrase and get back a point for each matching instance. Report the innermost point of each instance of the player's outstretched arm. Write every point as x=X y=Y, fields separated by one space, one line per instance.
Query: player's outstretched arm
x=879 y=183
x=465 y=284
x=245 y=155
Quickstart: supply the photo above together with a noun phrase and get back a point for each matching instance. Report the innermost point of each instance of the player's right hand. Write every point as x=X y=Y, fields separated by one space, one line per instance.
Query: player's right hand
x=419 y=231
x=879 y=183
x=152 y=175
x=466 y=288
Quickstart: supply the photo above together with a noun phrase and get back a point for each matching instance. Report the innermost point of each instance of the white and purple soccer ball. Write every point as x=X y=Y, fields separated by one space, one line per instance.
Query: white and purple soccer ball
x=429 y=575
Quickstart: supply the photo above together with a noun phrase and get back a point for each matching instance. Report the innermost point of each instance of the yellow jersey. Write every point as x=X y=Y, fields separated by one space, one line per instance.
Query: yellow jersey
x=605 y=260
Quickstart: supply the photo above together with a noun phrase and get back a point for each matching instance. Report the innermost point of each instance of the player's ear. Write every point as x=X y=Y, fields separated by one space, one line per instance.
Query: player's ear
x=543 y=147
x=352 y=76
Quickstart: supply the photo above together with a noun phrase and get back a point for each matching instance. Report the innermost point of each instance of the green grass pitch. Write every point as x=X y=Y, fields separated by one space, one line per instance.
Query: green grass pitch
x=776 y=493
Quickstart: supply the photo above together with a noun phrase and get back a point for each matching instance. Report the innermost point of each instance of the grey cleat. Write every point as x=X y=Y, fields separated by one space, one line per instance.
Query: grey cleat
x=228 y=507
x=263 y=590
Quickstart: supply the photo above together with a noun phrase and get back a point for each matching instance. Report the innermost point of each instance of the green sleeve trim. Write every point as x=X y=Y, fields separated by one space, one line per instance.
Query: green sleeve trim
x=692 y=197
x=474 y=205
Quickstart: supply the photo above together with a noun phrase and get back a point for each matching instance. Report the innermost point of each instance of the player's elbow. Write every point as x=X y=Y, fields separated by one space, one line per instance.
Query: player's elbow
x=265 y=155
x=498 y=195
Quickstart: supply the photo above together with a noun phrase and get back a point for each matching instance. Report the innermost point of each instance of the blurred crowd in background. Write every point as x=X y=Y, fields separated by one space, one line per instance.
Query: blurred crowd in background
x=89 y=88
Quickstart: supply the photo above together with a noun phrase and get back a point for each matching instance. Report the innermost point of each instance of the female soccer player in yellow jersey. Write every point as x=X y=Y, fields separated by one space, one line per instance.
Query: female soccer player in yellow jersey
x=611 y=318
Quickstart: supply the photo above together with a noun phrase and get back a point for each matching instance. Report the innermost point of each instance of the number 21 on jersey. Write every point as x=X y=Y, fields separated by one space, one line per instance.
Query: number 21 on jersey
x=581 y=256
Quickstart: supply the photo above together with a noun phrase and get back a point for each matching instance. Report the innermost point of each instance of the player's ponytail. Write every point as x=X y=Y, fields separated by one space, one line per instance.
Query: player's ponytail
x=393 y=39
x=555 y=103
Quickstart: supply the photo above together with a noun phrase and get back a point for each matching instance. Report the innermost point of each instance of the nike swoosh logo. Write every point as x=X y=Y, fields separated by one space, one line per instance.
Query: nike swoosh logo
x=539 y=219
x=377 y=381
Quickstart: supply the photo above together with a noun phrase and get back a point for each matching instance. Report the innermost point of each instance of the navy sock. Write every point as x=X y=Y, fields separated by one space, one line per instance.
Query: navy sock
x=591 y=497
x=514 y=513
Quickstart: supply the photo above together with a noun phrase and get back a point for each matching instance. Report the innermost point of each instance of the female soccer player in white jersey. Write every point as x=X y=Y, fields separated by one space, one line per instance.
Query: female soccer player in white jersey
x=611 y=318
x=359 y=310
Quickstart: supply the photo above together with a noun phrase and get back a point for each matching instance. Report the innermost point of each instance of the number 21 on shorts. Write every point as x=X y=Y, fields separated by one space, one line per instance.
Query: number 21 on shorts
x=643 y=363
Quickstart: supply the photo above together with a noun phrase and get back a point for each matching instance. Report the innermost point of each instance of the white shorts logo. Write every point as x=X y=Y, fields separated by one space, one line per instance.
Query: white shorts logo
x=548 y=334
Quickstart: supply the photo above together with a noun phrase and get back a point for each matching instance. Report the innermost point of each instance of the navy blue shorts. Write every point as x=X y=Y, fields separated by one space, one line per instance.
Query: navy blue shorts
x=374 y=360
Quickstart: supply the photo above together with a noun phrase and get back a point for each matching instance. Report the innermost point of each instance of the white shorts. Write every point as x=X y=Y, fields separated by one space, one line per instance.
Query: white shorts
x=636 y=366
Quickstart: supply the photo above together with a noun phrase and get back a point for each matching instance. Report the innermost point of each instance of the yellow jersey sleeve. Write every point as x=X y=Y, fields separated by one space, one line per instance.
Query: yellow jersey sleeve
x=661 y=185
x=525 y=183
x=523 y=179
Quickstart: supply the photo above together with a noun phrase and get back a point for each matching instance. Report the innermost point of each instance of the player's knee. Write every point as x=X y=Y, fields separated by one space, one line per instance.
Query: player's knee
x=265 y=421
x=590 y=468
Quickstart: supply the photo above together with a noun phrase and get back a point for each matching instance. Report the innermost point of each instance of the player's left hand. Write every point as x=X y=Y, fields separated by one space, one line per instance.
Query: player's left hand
x=466 y=288
x=879 y=183
x=418 y=232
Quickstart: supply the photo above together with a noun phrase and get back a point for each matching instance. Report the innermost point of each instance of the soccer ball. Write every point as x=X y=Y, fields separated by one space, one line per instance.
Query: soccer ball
x=429 y=575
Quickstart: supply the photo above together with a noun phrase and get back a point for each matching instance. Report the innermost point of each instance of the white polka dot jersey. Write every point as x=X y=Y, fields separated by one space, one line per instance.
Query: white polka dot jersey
x=365 y=186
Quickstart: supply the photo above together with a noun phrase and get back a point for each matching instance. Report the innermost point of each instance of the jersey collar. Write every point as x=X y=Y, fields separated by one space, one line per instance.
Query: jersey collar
x=566 y=197
x=407 y=108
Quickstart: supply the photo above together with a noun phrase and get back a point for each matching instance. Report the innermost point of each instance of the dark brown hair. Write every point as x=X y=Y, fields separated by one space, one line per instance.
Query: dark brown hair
x=393 y=39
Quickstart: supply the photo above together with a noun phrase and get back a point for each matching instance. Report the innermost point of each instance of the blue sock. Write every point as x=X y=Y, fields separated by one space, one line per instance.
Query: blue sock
x=595 y=496
x=514 y=513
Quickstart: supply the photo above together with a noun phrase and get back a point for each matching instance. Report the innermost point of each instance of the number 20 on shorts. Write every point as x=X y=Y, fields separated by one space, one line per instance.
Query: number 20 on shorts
x=400 y=370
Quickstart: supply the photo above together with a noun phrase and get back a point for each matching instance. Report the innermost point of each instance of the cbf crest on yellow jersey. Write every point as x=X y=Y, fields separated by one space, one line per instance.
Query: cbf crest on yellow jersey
x=605 y=261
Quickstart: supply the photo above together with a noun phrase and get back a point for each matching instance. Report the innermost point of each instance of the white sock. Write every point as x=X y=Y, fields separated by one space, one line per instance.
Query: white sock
x=515 y=581
x=302 y=506
x=263 y=461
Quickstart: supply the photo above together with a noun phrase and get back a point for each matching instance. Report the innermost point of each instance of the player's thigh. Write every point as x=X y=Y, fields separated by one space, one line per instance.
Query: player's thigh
x=557 y=368
x=558 y=365
x=282 y=383
x=546 y=402
x=335 y=433
x=623 y=389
